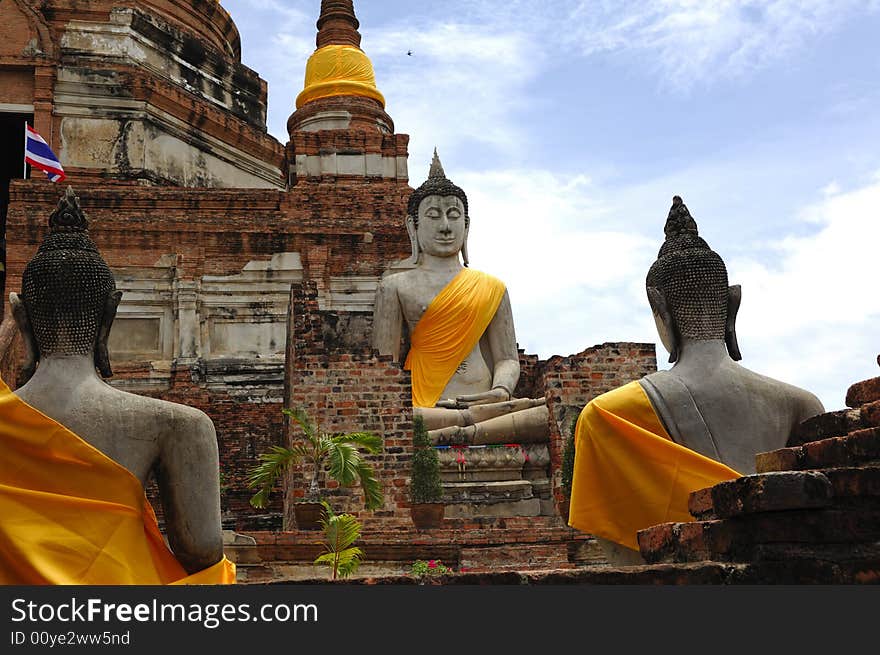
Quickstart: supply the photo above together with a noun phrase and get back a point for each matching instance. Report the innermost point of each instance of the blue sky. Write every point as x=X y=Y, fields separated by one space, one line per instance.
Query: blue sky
x=571 y=124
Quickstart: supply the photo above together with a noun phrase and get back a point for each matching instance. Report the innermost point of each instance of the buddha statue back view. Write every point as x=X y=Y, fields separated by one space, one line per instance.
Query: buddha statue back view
x=643 y=448
x=78 y=442
x=707 y=401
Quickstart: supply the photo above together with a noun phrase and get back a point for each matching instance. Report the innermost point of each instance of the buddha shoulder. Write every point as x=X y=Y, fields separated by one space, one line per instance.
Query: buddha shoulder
x=174 y=420
x=803 y=403
x=413 y=286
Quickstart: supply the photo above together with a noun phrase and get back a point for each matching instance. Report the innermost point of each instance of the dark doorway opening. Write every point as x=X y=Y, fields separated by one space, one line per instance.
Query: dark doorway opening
x=12 y=167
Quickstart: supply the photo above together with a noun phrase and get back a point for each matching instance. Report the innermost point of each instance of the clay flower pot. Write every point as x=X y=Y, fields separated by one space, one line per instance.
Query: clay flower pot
x=427 y=515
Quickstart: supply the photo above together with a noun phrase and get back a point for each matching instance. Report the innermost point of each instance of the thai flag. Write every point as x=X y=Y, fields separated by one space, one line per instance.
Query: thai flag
x=38 y=154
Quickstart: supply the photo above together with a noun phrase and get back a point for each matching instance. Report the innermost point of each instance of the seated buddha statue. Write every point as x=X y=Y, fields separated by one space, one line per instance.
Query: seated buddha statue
x=77 y=452
x=642 y=448
x=463 y=352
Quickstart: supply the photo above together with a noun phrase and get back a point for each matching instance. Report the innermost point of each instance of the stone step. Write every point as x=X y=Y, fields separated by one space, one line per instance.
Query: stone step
x=786 y=490
x=766 y=492
x=854 y=482
x=836 y=424
x=825 y=426
x=861 y=393
x=859 y=447
x=738 y=539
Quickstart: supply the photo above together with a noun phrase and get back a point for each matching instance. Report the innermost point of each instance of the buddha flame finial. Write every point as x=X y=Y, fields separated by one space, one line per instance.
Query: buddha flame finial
x=679 y=220
x=68 y=215
x=436 y=171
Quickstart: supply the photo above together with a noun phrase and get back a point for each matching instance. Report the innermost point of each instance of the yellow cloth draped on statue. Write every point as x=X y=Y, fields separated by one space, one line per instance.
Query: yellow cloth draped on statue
x=71 y=515
x=448 y=331
x=628 y=473
x=339 y=70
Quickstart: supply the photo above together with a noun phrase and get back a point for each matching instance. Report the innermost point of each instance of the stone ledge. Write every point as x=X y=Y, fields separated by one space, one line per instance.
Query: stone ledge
x=770 y=492
x=739 y=539
x=859 y=447
x=864 y=392
x=824 y=426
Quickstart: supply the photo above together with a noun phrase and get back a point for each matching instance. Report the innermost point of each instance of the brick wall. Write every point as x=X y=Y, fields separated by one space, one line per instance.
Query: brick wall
x=343 y=392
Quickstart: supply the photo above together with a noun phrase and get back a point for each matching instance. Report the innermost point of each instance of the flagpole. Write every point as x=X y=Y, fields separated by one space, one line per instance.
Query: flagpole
x=24 y=172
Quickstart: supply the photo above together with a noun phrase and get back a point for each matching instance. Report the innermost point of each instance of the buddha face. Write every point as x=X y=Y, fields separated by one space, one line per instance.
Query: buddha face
x=441 y=228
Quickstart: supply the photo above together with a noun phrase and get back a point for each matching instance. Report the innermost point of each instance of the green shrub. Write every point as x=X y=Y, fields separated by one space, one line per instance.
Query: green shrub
x=568 y=459
x=425 y=486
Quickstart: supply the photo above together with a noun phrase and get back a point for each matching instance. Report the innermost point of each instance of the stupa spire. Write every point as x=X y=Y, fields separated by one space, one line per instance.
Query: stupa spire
x=338 y=67
x=337 y=24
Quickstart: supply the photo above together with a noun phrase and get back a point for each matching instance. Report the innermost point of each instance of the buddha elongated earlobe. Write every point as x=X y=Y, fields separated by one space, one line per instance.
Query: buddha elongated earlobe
x=102 y=352
x=413 y=239
x=666 y=323
x=31 y=350
x=464 y=250
x=734 y=298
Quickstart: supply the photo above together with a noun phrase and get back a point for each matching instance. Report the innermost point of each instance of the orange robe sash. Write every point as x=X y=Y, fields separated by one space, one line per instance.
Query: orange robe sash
x=448 y=331
x=71 y=515
x=628 y=473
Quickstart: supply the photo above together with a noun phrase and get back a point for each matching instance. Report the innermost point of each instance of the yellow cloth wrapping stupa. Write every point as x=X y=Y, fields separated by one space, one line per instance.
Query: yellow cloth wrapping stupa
x=448 y=331
x=628 y=473
x=339 y=70
x=71 y=515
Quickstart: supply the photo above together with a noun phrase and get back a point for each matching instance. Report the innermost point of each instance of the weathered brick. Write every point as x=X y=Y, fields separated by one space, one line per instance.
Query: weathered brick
x=858 y=447
x=854 y=482
x=700 y=504
x=861 y=393
x=784 y=459
x=823 y=426
x=870 y=414
x=771 y=492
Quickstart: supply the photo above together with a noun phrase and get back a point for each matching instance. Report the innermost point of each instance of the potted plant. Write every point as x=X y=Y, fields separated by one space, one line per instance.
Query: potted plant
x=426 y=490
x=567 y=470
x=336 y=455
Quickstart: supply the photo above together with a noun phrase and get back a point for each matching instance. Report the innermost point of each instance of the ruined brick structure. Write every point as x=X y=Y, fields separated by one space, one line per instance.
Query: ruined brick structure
x=211 y=227
x=811 y=515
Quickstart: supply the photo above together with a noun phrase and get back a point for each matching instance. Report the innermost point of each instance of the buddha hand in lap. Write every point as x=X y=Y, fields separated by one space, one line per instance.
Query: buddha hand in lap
x=463 y=354
x=643 y=448
x=87 y=520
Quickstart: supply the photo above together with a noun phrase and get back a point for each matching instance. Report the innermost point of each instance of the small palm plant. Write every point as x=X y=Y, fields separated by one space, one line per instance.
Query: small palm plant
x=340 y=532
x=337 y=454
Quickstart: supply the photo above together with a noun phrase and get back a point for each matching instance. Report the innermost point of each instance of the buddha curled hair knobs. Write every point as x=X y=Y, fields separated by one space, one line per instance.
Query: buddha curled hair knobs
x=66 y=285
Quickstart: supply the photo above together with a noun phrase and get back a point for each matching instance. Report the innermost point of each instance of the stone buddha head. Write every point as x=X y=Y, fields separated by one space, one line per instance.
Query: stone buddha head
x=69 y=298
x=437 y=216
x=687 y=288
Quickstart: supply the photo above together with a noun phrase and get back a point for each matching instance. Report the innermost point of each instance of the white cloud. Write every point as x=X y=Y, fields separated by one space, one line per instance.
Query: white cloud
x=810 y=316
x=459 y=87
x=691 y=41
x=574 y=280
